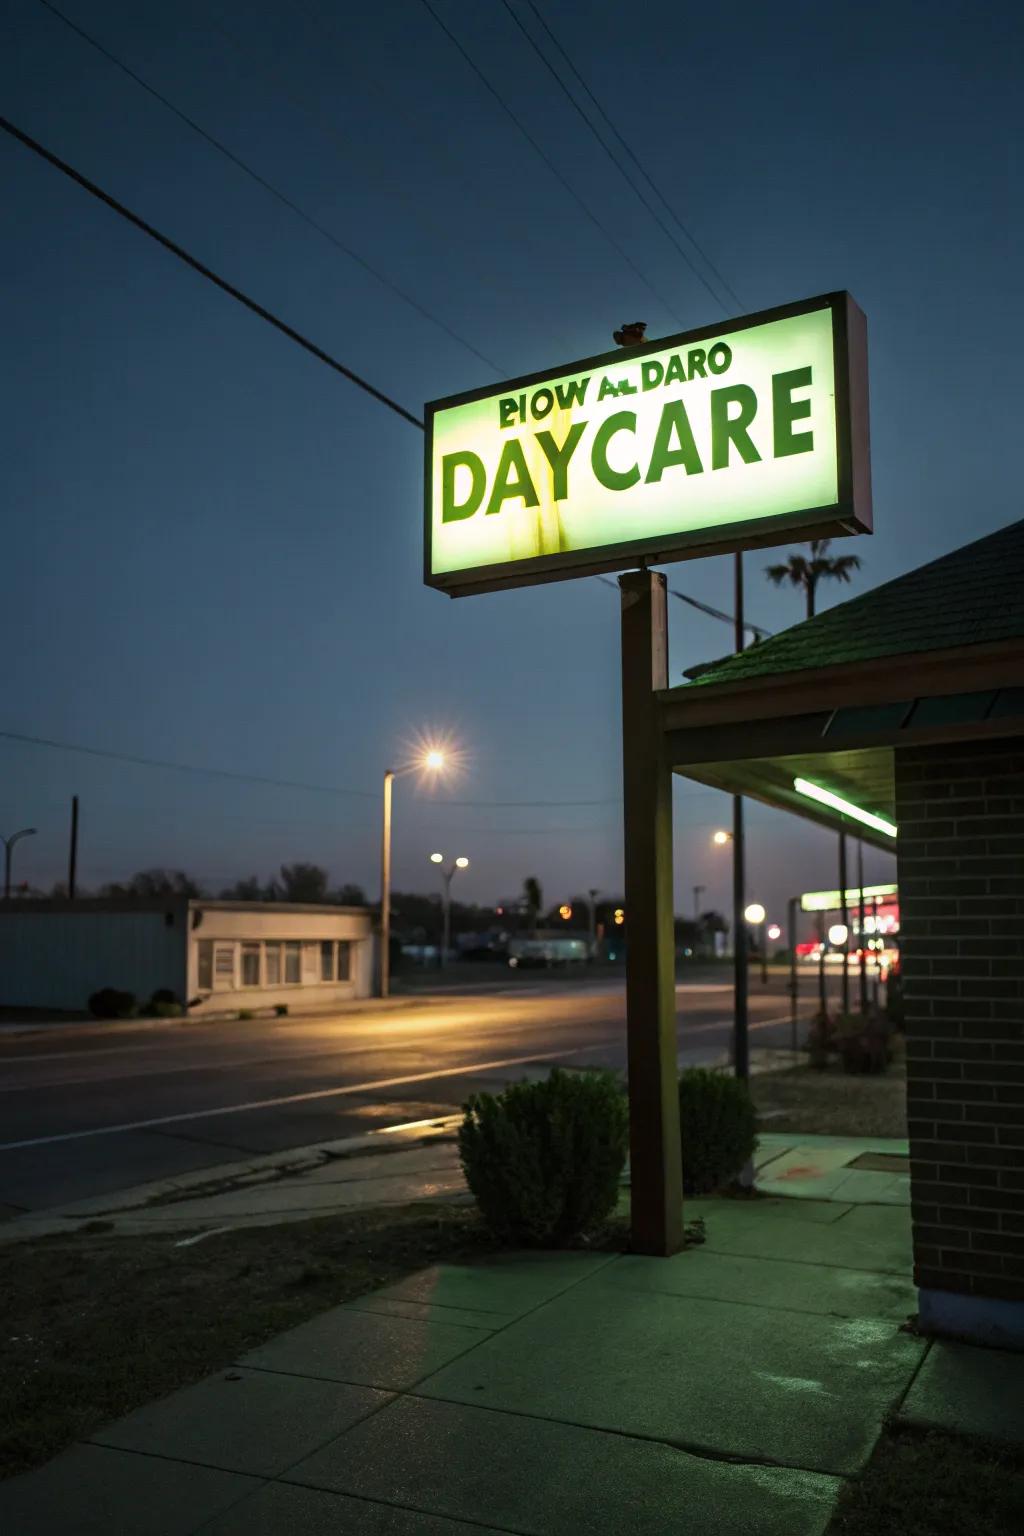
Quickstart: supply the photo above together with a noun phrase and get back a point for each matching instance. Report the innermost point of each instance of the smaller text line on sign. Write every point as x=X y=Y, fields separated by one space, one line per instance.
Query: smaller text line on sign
x=723 y=438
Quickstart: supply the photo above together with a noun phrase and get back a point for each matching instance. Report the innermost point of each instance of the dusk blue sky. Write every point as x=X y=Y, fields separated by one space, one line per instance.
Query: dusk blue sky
x=212 y=547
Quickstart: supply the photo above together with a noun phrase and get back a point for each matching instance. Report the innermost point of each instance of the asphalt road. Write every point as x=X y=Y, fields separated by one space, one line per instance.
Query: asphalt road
x=87 y=1111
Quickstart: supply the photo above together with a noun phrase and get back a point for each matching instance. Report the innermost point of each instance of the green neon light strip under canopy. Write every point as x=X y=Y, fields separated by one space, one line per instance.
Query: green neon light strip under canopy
x=837 y=803
x=831 y=901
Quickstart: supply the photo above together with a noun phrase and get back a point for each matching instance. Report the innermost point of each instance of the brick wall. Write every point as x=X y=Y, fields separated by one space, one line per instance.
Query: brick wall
x=960 y=811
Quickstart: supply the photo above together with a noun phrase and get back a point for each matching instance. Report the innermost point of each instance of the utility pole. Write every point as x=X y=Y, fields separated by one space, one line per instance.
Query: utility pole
x=385 y=887
x=73 y=851
x=861 y=942
x=846 y=920
x=741 y=1038
x=793 y=982
x=593 y=894
x=698 y=892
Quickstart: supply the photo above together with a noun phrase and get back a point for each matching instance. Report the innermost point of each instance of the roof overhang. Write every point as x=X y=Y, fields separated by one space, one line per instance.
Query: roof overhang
x=839 y=727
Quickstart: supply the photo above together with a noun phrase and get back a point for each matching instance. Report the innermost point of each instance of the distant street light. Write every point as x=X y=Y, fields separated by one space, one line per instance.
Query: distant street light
x=448 y=875
x=565 y=912
x=721 y=837
x=619 y=916
x=755 y=916
x=774 y=932
x=432 y=760
x=9 y=843
x=838 y=934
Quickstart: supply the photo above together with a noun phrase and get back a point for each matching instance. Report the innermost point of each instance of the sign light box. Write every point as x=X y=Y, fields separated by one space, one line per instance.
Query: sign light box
x=831 y=901
x=728 y=437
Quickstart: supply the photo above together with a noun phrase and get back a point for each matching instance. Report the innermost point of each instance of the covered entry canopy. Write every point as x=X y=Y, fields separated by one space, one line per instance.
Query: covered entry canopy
x=934 y=656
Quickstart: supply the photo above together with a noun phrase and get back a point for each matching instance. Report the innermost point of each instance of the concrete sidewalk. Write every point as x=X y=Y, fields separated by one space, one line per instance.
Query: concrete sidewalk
x=732 y=1389
x=420 y=1162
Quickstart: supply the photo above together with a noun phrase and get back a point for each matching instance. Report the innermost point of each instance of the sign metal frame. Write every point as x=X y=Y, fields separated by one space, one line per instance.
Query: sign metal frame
x=849 y=514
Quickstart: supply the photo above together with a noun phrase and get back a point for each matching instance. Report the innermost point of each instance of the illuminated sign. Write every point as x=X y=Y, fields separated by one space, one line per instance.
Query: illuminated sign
x=726 y=437
x=831 y=901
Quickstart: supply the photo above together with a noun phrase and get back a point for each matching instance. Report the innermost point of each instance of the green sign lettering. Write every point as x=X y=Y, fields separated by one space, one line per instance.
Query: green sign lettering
x=786 y=410
x=613 y=479
x=726 y=429
x=663 y=455
x=451 y=510
x=512 y=480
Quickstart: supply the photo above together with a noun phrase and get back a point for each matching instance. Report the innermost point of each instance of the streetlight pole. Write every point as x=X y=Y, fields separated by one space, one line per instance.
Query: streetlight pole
x=9 y=843
x=793 y=984
x=385 y=887
x=432 y=760
x=593 y=894
x=447 y=876
x=741 y=981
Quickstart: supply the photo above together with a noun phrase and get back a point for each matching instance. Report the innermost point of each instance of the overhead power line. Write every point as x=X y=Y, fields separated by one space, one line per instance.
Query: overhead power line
x=156 y=762
x=645 y=200
x=255 y=778
x=261 y=181
x=714 y=613
x=628 y=150
x=528 y=136
x=208 y=273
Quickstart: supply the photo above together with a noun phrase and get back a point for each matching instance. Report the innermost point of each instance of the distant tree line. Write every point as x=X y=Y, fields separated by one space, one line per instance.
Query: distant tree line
x=293 y=882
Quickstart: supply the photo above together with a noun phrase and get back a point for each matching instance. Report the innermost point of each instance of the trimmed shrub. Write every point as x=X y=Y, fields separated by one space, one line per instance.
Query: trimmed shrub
x=543 y=1159
x=164 y=1005
x=719 y=1129
x=111 y=1003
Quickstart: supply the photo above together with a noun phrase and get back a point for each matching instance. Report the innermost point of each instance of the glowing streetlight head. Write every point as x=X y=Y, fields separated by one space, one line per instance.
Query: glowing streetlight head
x=462 y=863
x=620 y=916
x=754 y=913
x=434 y=759
x=437 y=858
x=774 y=931
x=720 y=838
x=844 y=807
x=565 y=911
x=838 y=934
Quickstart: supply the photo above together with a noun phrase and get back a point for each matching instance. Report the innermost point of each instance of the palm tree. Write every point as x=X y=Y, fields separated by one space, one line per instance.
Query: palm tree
x=533 y=901
x=801 y=572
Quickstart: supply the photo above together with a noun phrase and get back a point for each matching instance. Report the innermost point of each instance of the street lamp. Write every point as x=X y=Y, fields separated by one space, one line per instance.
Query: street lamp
x=448 y=875
x=9 y=843
x=431 y=760
x=721 y=837
x=838 y=934
x=755 y=916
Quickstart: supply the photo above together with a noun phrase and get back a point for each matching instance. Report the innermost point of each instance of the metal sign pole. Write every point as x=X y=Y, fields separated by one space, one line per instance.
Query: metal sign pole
x=656 y=1170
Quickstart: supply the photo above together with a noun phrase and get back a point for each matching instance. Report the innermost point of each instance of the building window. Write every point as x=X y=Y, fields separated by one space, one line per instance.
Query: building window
x=205 y=967
x=272 y=965
x=344 y=960
x=327 y=960
x=223 y=967
x=250 y=965
x=292 y=963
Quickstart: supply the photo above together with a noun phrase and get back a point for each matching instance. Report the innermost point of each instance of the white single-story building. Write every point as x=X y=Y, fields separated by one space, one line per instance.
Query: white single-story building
x=214 y=956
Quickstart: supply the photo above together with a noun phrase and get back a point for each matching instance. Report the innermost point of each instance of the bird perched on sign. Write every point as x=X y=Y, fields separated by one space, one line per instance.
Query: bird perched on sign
x=631 y=335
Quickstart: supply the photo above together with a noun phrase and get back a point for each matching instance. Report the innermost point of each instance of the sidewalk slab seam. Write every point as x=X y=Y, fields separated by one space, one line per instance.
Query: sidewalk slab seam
x=525 y=1475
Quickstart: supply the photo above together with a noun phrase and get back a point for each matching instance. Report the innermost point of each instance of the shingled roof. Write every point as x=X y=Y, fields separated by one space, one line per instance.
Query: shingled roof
x=973 y=596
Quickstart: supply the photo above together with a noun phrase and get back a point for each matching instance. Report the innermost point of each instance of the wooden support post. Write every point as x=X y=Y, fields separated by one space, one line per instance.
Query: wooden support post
x=655 y=1157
